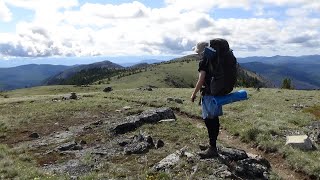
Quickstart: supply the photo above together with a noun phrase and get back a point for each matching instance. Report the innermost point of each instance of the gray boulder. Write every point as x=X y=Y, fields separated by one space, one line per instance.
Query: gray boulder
x=302 y=142
x=71 y=146
x=130 y=123
x=253 y=168
x=232 y=154
x=73 y=95
x=179 y=101
x=107 y=89
x=138 y=144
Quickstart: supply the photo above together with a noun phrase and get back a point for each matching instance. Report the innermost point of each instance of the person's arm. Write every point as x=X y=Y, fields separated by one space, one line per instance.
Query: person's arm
x=199 y=84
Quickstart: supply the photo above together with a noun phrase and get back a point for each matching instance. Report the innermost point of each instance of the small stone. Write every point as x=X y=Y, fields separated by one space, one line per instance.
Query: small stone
x=73 y=95
x=167 y=120
x=149 y=140
x=188 y=155
x=65 y=98
x=170 y=99
x=126 y=108
x=34 y=135
x=70 y=146
x=97 y=123
x=167 y=162
x=82 y=142
x=86 y=128
x=118 y=110
x=179 y=101
x=159 y=144
x=107 y=89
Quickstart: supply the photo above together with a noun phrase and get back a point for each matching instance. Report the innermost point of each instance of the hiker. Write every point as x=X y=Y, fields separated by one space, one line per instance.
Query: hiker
x=211 y=113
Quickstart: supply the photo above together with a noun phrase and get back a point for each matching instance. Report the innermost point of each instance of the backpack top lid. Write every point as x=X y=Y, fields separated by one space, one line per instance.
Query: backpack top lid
x=220 y=45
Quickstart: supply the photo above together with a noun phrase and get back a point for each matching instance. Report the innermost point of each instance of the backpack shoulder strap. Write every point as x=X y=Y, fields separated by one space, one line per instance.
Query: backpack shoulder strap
x=210 y=59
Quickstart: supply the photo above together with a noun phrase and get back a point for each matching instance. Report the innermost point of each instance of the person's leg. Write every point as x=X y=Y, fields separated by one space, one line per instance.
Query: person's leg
x=213 y=132
x=213 y=126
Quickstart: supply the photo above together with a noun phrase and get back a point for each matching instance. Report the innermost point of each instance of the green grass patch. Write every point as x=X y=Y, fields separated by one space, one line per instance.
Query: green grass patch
x=315 y=110
x=14 y=165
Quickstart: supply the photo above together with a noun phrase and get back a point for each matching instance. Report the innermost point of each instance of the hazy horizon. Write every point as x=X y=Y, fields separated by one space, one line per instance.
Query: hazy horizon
x=70 y=61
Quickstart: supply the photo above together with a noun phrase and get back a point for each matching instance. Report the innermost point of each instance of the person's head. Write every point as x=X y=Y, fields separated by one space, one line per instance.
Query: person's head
x=199 y=48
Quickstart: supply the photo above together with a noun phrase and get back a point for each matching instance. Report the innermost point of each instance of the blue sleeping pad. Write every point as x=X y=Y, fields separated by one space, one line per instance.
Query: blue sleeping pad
x=212 y=105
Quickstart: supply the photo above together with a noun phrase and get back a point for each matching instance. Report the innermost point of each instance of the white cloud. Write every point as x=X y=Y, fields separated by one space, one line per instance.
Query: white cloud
x=5 y=14
x=45 y=5
x=206 y=5
x=63 y=27
x=286 y=2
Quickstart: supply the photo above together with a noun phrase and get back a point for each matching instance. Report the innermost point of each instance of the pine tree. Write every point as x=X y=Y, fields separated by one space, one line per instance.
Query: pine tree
x=286 y=84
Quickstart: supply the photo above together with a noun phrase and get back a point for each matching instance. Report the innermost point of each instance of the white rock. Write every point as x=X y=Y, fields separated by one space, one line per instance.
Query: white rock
x=126 y=108
x=301 y=141
x=167 y=162
x=167 y=120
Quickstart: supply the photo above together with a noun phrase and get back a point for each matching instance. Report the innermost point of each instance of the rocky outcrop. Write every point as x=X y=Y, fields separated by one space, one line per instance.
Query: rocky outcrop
x=253 y=168
x=170 y=161
x=231 y=163
x=139 y=144
x=71 y=146
x=232 y=154
x=130 y=123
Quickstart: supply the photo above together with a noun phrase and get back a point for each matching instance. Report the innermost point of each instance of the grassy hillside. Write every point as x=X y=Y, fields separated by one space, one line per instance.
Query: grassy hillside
x=177 y=73
x=263 y=120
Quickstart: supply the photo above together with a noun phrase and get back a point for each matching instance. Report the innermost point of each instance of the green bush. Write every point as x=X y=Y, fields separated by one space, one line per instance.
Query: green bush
x=250 y=134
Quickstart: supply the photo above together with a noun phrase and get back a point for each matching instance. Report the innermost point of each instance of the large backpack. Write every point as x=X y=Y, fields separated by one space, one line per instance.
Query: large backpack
x=222 y=67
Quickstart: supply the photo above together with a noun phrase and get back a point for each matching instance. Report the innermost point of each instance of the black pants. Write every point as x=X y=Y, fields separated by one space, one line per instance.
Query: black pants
x=213 y=126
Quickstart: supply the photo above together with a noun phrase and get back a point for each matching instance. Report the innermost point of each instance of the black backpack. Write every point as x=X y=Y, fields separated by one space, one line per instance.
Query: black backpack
x=223 y=68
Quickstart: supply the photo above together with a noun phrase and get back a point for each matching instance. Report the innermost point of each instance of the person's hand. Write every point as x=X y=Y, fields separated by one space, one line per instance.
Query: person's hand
x=193 y=97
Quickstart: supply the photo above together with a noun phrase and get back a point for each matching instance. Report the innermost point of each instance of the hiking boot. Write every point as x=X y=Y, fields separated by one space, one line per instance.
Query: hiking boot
x=211 y=152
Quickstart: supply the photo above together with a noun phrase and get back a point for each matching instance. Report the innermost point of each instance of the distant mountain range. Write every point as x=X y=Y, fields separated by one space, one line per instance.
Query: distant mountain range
x=27 y=75
x=311 y=59
x=146 y=61
x=68 y=73
x=303 y=71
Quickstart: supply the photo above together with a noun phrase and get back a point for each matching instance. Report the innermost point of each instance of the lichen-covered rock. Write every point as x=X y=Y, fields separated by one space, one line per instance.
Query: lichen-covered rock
x=167 y=162
x=71 y=146
x=253 y=168
x=232 y=154
x=130 y=123
x=136 y=145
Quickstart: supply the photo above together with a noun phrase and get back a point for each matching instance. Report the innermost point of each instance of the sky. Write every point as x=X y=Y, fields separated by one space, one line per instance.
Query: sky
x=152 y=28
